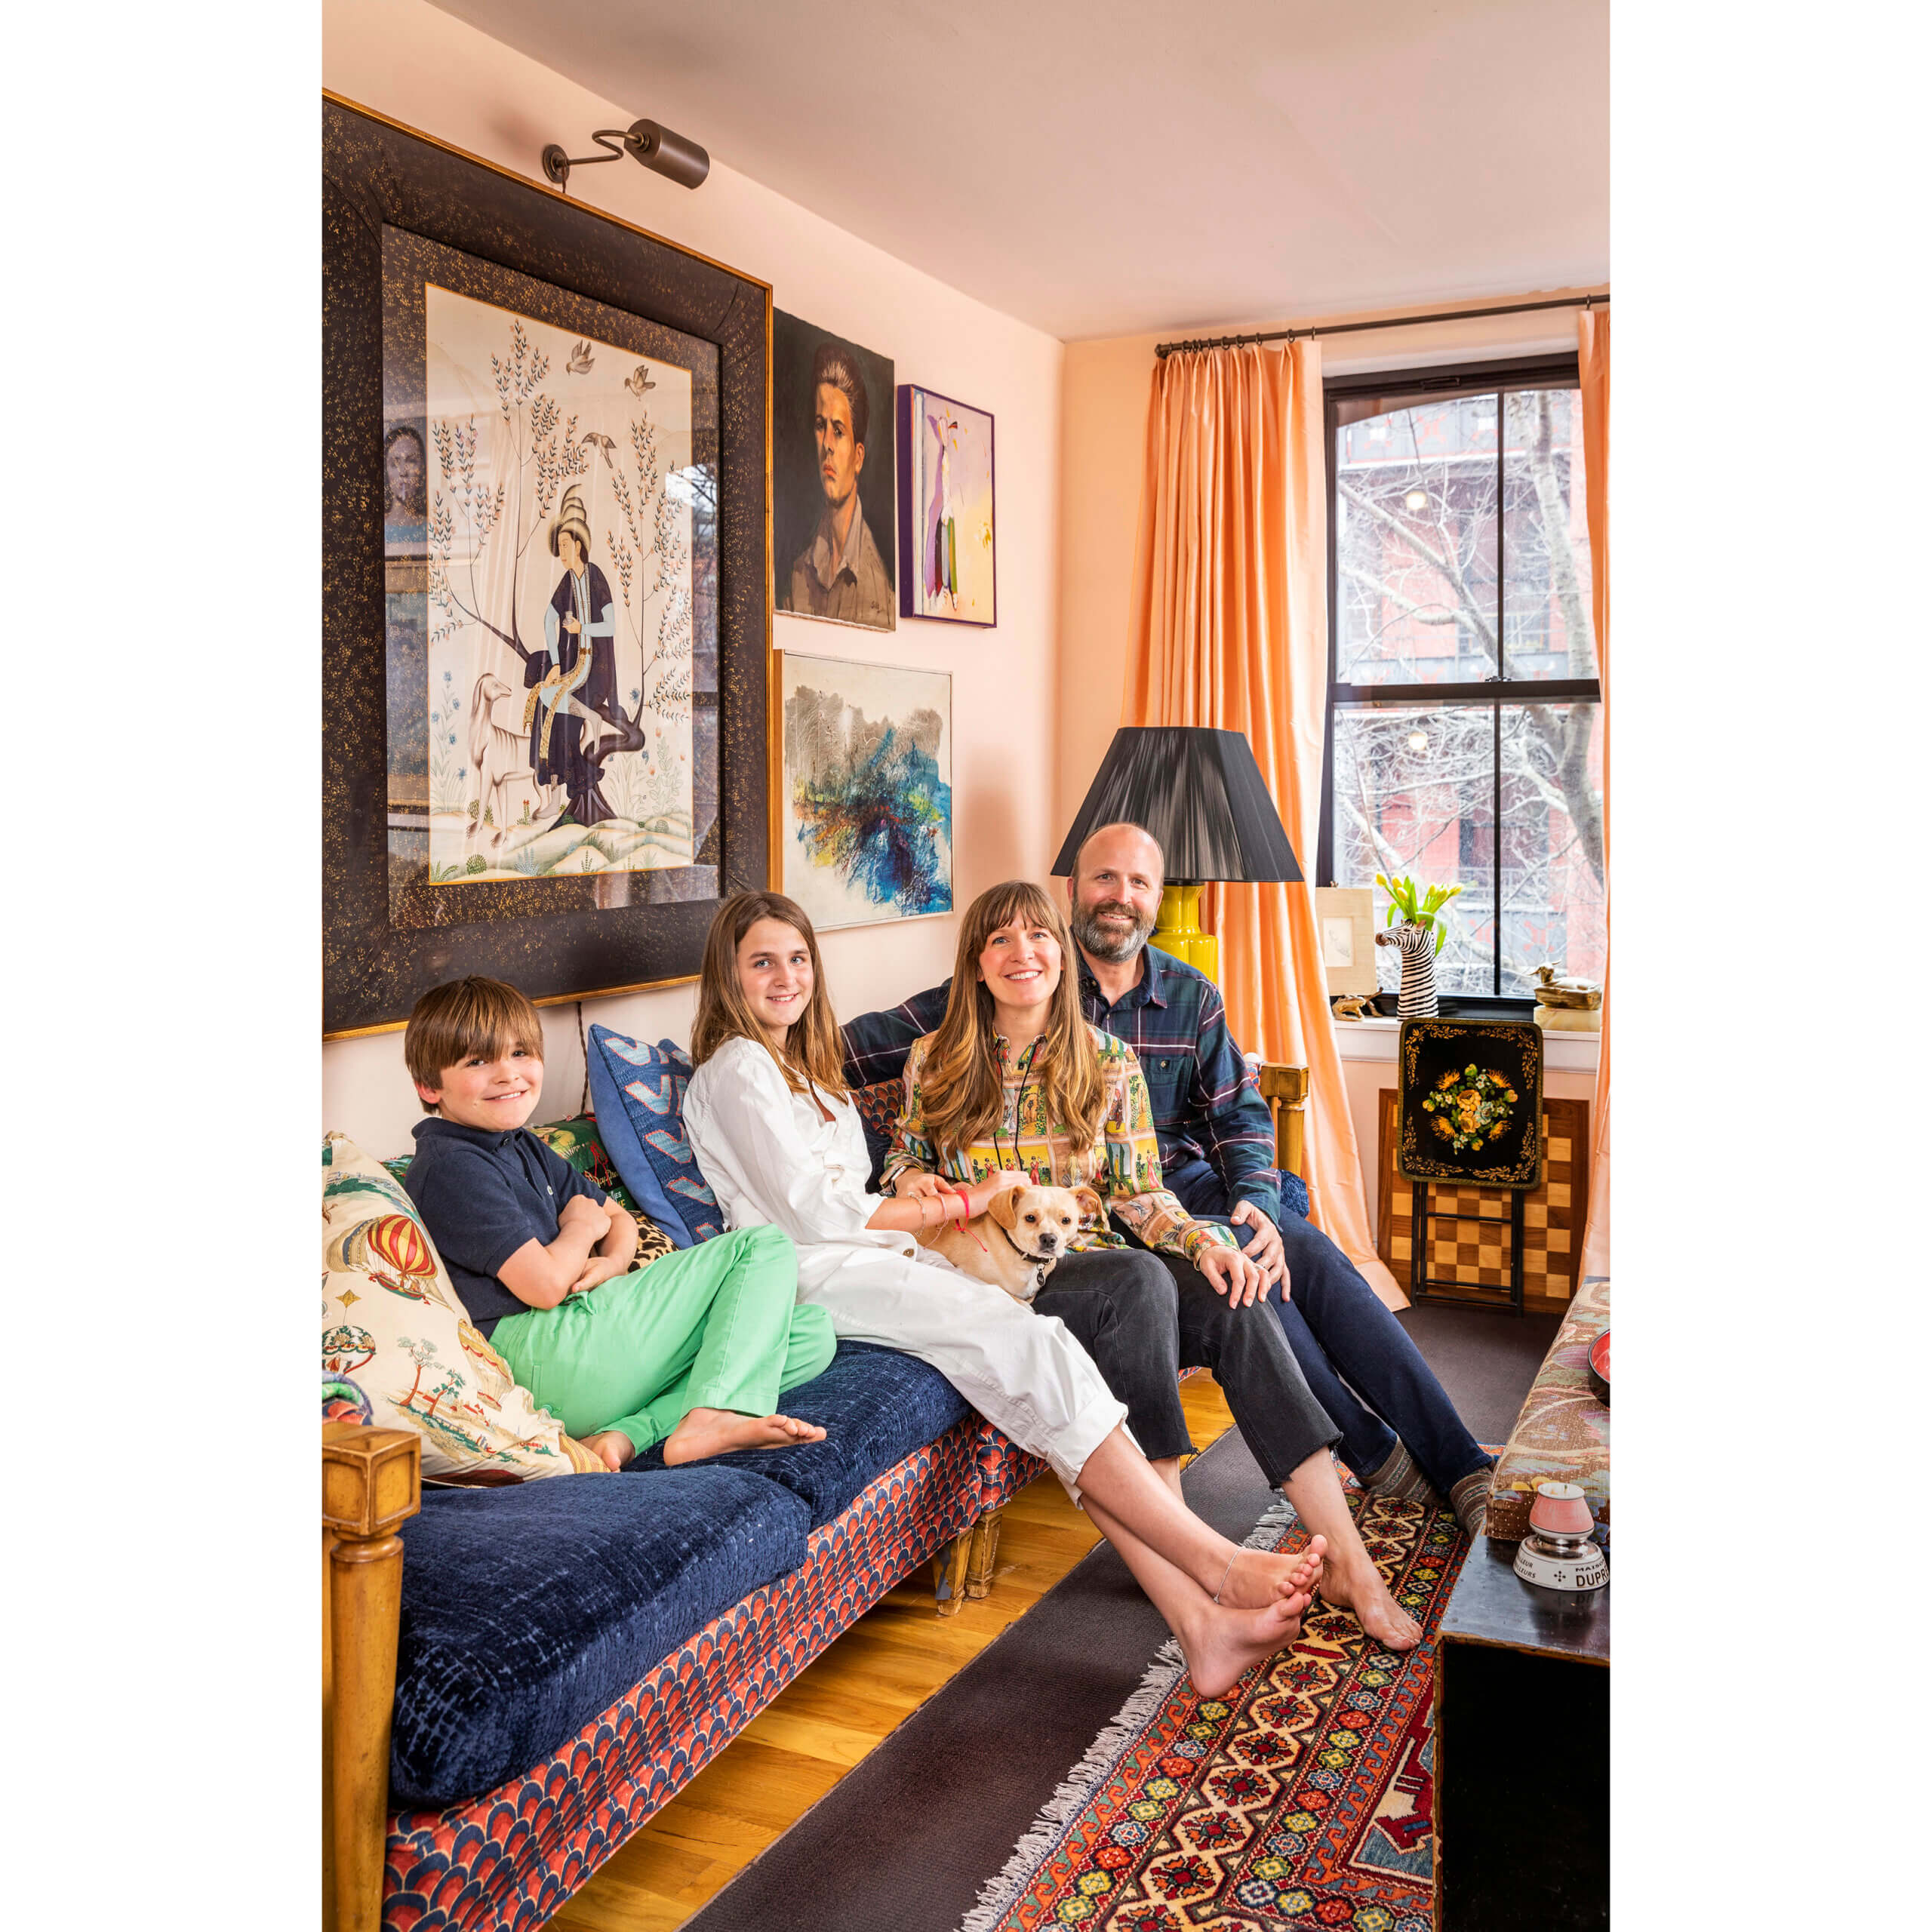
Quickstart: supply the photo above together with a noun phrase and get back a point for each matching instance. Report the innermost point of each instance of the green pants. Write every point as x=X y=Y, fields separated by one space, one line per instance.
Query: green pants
x=718 y=1325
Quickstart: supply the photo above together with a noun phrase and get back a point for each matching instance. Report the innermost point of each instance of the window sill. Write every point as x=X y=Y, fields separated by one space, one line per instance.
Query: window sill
x=1375 y=1040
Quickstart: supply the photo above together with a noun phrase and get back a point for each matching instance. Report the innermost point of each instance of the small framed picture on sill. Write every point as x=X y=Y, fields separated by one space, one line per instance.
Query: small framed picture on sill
x=1345 y=918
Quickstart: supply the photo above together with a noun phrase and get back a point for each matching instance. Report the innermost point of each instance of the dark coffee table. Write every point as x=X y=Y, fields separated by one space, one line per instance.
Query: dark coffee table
x=1522 y=1753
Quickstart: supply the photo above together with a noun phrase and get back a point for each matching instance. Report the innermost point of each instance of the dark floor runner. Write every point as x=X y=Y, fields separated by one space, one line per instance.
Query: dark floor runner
x=904 y=1840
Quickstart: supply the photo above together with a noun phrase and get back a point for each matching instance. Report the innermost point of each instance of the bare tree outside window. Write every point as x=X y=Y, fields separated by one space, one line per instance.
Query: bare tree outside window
x=1462 y=583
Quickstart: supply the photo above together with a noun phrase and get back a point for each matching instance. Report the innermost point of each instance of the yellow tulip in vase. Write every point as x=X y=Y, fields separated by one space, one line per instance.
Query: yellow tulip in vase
x=1419 y=937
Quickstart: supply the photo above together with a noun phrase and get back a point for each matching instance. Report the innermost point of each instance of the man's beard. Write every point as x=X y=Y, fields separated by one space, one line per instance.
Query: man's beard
x=1114 y=947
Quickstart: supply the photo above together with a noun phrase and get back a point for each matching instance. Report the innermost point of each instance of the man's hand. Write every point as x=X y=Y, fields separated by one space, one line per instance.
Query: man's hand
x=1232 y=1273
x=1266 y=1247
x=571 y=625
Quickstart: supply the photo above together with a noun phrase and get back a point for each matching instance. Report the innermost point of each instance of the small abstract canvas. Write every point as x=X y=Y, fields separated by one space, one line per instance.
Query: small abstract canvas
x=867 y=789
x=945 y=509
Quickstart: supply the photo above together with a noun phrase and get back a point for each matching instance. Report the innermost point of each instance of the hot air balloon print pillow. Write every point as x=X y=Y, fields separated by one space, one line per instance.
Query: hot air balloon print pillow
x=392 y=1323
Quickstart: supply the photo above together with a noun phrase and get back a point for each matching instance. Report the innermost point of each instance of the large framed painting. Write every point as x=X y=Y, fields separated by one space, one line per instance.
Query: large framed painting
x=947 y=555
x=833 y=492
x=547 y=672
x=865 y=823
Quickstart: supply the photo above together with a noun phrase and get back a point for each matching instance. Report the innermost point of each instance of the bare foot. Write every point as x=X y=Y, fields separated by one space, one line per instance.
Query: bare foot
x=717 y=1431
x=1260 y=1575
x=612 y=1444
x=1224 y=1645
x=1362 y=1590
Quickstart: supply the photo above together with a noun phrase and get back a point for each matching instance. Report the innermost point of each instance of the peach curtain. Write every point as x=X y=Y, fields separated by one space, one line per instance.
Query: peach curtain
x=1593 y=371
x=1230 y=629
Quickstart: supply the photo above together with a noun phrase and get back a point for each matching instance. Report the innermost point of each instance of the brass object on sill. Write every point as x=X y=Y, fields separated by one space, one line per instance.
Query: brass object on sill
x=1581 y=995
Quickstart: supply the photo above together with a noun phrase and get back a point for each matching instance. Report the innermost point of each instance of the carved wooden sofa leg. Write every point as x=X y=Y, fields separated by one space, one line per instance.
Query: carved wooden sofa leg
x=371 y=1482
x=985 y=1551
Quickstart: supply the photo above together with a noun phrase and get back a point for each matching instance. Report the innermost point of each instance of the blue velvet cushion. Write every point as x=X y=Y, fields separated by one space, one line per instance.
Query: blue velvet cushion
x=527 y=1611
x=638 y=1092
x=876 y=1405
x=1294 y=1194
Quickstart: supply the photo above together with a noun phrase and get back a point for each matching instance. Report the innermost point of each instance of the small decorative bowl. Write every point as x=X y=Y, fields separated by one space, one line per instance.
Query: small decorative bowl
x=1597 y=1364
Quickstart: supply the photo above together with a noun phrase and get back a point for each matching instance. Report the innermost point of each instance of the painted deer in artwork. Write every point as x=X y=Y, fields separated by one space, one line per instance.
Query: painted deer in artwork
x=1417 y=1000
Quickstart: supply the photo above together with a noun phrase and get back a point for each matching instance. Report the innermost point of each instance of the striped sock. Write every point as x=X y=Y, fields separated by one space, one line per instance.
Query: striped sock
x=1400 y=1477
x=1469 y=1498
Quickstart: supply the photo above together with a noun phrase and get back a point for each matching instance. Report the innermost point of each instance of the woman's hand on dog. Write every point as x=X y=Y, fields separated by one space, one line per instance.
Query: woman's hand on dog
x=1232 y=1274
x=912 y=1185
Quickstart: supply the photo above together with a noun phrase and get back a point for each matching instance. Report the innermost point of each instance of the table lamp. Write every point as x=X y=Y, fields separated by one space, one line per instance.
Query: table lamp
x=1200 y=793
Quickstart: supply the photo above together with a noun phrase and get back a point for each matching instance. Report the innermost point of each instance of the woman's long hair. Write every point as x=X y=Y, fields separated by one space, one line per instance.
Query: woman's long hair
x=960 y=1085
x=814 y=1054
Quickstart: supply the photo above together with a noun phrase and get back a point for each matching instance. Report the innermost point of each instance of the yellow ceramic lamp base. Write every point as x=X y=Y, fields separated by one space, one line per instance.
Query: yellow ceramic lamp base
x=1177 y=930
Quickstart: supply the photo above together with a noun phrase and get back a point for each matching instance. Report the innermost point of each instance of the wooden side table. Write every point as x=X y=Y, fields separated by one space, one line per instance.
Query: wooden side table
x=1522 y=1753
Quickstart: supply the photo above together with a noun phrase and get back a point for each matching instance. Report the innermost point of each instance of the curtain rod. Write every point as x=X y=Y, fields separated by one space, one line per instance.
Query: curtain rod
x=1167 y=348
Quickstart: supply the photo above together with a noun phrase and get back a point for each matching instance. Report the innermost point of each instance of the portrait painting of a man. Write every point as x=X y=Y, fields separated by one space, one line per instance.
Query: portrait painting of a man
x=832 y=481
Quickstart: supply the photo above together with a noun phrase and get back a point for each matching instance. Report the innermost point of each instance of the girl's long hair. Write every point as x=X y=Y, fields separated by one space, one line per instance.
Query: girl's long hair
x=814 y=1054
x=959 y=1084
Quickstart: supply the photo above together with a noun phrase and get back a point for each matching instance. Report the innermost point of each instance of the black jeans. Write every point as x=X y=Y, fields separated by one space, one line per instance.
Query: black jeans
x=1357 y=1358
x=1143 y=1317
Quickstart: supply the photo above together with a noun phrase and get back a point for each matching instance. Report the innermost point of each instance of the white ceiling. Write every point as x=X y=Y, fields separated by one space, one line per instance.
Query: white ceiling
x=1099 y=168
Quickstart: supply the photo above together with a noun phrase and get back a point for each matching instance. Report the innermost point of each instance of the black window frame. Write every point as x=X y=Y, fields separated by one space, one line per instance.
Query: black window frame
x=1526 y=372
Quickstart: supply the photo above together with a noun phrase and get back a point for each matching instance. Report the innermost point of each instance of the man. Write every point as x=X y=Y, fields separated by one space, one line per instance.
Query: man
x=1217 y=1145
x=840 y=573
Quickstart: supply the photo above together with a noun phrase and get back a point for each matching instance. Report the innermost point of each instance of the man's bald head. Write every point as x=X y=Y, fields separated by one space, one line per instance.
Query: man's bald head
x=1114 y=894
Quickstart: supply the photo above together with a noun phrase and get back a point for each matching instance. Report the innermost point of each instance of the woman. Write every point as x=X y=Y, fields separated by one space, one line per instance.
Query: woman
x=780 y=1143
x=1014 y=1077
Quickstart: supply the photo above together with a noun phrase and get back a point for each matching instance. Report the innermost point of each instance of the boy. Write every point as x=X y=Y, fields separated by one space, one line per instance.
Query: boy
x=692 y=1353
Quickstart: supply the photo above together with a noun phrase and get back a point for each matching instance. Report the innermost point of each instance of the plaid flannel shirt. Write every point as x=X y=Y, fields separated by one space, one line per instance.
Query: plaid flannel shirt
x=1206 y=1104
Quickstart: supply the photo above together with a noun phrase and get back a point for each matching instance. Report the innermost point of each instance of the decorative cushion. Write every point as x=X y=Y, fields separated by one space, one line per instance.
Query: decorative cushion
x=391 y=1320
x=526 y=1611
x=878 y=1107
x=638 y=1092
x=1562 y=1434
x=876 y=1405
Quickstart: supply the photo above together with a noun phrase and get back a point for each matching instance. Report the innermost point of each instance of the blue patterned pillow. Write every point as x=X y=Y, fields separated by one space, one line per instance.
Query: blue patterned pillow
x=638 y=1090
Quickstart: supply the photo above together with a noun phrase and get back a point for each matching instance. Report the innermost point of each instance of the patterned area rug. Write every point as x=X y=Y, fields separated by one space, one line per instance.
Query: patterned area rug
x=1303 y=1802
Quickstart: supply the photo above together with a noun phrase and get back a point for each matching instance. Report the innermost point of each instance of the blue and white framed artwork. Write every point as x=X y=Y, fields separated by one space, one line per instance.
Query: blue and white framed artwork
x=866 y=791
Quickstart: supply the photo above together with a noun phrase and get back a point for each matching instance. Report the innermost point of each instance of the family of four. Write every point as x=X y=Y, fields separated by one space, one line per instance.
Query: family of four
x=1074 y=1059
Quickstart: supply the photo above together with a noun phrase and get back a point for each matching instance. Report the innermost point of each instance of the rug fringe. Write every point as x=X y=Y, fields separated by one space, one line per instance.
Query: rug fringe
x=1070 y=1797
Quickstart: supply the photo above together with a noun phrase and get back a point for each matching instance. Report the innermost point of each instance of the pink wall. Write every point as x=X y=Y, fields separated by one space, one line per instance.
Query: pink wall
x=403 y=58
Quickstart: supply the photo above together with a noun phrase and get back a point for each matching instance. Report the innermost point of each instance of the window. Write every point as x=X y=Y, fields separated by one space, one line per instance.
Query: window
x=1464 y=740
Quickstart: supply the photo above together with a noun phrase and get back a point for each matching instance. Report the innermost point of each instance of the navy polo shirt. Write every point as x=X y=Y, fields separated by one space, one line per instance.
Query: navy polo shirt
x=483 y=1195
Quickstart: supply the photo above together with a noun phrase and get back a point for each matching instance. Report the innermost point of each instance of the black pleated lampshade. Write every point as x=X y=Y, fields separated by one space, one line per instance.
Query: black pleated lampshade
x=1200 y=793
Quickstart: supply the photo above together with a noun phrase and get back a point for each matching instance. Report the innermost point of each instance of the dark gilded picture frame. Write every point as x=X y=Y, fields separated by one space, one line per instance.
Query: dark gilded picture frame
x=550 y=935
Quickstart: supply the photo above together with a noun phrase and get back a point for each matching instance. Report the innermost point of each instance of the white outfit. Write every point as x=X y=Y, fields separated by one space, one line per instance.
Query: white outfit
x=772 y=1159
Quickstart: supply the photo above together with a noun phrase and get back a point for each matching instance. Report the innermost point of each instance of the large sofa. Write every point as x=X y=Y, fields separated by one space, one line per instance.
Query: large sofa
x=516 y=1678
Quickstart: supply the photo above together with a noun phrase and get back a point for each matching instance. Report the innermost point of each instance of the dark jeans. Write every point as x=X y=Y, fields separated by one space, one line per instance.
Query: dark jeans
x=1359 y=1359
x=1143 y=1317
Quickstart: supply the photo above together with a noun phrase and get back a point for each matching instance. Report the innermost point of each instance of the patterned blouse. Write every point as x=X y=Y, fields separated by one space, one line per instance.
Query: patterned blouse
x=1123 y=1167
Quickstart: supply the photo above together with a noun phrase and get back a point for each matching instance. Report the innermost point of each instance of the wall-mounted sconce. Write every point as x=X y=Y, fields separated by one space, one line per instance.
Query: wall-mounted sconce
x=651 y=146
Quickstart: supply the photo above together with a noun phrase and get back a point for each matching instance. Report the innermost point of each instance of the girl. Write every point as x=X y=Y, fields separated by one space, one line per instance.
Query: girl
x=1014 y=1077
x=780 y=1143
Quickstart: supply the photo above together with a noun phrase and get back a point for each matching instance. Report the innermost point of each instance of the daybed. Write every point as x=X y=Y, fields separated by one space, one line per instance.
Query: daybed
x=516 y=1678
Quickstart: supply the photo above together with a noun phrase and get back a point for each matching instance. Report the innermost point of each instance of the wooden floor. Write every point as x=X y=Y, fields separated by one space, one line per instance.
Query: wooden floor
x=858 y=1690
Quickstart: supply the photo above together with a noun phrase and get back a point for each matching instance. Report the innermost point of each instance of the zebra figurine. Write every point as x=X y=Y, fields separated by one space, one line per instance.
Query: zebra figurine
x=1416 y=1001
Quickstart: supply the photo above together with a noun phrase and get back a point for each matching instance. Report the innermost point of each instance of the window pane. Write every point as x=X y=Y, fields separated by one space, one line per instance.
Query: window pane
x=1552 y=842
x=1414 y=788
x=1415 y=542
x=1546 y=541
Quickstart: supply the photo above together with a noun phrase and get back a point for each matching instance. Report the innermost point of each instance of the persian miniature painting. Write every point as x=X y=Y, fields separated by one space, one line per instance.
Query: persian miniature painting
x=945 y=508
x=866 y=827
x=832 y=471
x=559 y=589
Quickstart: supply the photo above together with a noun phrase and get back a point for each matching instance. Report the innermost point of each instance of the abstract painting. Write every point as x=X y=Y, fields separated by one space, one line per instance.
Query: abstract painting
x=867 y=790
x=945 y=509
x=832 y=477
